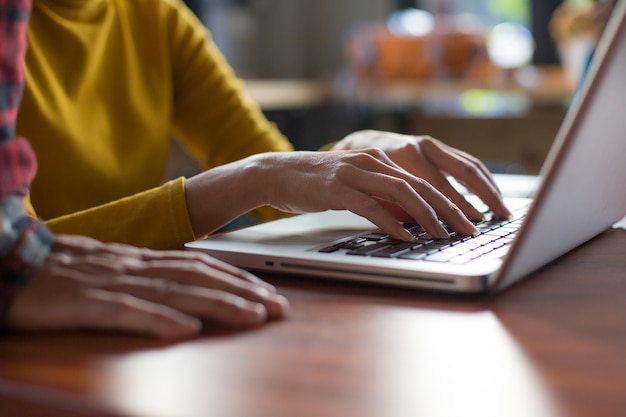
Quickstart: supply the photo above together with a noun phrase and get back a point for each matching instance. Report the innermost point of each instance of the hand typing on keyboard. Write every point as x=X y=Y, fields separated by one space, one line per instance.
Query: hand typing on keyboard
x=494 y=239
x=432 y=160
x=387 y=178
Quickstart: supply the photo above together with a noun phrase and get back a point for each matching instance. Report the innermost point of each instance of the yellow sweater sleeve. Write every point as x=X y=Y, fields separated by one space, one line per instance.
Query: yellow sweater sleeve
x=164 y=228
x=213 y=117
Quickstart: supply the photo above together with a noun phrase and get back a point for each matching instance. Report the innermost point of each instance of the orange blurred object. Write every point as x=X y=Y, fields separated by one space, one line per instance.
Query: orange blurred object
x=446 y=52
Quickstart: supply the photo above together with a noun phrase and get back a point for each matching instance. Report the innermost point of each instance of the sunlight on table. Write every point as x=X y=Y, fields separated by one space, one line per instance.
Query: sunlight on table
x=448 y=364
x=416 y=362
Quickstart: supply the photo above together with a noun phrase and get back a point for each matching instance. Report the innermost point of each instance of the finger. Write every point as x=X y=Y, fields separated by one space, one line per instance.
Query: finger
x=437 y=179
x=470 y=172
x=416 y=196
x=367 y=207
x=432 y=146
x=200 y=275
x=188 y=272
x=84 y=245
x=72 y=307
x=213 y=263
x=399 y=192
x=213 y=305
x=75 y=245
x=484 y=172
x=374 y=178
x=476 y=162
x=446 y=209
x=440 y=182
x=122 y=312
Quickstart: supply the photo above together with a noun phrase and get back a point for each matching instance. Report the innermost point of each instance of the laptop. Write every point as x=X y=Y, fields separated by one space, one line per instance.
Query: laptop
x=582 y=192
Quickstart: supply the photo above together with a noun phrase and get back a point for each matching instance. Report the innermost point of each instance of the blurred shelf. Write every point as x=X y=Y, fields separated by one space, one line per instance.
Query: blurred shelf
x=542 y=86
x=288 y=94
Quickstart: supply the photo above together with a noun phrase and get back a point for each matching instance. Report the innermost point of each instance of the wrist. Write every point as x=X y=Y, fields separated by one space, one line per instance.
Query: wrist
x=220 y=195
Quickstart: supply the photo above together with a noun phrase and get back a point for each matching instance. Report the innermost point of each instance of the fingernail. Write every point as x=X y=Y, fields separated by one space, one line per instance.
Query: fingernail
x=443 y=234
x=446 y=235
x=506 y=214
x=406 y=235
x=471 y=227
x=261 y=311
x=281 y=307
x=263 y=292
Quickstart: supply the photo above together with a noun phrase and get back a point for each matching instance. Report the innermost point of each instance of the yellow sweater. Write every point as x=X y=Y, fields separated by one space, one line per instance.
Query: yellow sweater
x=109 y=82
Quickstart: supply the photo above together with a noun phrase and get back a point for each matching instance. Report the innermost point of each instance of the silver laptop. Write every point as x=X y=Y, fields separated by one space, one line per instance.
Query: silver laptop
x=581 y=194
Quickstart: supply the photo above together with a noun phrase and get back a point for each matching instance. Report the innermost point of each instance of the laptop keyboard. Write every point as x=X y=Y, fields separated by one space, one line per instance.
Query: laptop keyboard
x=494 y=240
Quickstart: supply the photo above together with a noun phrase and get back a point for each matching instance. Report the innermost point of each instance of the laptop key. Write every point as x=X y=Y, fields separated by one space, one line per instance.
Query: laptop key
x=413 y=255
x=395 y=250
x=374 y=236
x=494 y=240
x=498 y=253
x=348 y=244
x=441 y=257
x=366 y=250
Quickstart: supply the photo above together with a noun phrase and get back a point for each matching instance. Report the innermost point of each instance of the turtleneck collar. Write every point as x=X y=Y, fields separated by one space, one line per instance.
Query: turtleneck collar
x=83 y=10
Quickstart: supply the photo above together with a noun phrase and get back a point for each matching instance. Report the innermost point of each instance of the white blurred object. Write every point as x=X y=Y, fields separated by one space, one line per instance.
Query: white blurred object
x=411 y=22
x=510 y=45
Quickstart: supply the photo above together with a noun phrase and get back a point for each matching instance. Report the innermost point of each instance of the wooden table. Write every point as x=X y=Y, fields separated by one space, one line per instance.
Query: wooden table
x=554 y=345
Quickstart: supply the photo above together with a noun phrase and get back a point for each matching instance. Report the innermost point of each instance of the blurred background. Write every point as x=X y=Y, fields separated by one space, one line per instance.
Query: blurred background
x=492 y=77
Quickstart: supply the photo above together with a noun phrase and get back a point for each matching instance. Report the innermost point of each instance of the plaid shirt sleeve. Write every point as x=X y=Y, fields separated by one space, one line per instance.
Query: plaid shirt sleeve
x=24 y=241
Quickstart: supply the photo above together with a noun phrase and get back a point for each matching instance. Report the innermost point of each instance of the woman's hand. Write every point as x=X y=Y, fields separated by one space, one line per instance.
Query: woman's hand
x=86 y=284
x=365 y=182
x=431 y=160
x=385 y=177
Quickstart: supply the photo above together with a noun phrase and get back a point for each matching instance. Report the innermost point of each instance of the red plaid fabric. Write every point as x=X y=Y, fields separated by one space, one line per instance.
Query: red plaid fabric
x=17 y=163
x=24 y=241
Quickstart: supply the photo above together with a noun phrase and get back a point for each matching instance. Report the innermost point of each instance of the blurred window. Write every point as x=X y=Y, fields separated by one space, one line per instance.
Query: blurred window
x=533 y=14
x=489 y=12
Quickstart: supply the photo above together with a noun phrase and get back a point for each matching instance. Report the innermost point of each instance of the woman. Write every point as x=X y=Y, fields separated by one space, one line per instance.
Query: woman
x=110 y=81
